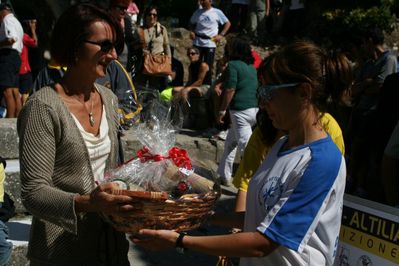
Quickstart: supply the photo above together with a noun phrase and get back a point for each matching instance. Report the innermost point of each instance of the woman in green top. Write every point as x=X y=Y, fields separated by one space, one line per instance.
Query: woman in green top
x=239 y=97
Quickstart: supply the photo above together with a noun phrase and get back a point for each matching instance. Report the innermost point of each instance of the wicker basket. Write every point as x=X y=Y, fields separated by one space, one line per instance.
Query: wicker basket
x=156 y=211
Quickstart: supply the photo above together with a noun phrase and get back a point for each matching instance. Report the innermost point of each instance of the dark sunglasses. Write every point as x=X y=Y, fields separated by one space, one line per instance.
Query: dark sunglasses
x=266 y=92
x=105 y=46
x=191 y=53
x=152 y=15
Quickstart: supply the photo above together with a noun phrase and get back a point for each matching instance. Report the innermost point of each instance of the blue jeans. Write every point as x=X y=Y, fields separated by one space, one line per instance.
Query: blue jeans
x=5 y=246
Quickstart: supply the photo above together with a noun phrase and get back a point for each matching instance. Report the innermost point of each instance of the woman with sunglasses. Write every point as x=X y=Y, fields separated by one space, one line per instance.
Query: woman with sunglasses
x=197 y=78
x=155 y=40
x=68 y=138
x=265 y=135
x=295 y=199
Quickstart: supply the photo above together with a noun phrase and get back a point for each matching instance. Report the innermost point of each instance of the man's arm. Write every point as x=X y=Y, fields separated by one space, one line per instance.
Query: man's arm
x=226 y=27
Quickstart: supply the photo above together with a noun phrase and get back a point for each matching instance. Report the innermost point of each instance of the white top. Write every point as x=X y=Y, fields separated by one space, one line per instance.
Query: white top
x=392 y=148
x=207 y=24
x=11 y=28
x=295 y=199
x=98 y=147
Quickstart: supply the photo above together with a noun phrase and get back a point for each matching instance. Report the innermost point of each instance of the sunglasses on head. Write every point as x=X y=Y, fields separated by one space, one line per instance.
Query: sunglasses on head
x=265 y=92
x=105 y=46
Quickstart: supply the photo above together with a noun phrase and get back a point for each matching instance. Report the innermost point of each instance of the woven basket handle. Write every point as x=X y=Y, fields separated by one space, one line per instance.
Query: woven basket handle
x=161 y=196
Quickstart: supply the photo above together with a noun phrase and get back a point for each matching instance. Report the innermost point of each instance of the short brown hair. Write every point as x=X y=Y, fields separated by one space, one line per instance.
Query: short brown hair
x=72 y=28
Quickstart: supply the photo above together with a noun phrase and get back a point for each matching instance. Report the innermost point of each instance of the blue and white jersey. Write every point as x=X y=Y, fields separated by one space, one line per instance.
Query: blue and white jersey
x=295 y=199
x=207 y=25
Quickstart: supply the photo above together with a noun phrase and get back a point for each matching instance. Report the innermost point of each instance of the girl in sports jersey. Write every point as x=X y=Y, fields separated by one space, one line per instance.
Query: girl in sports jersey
x=295 y=199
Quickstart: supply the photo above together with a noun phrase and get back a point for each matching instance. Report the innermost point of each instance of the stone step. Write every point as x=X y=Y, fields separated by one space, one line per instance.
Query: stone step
x=19 y=228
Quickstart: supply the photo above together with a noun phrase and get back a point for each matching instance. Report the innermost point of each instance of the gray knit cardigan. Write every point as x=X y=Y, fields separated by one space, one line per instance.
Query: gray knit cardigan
x=55 y=166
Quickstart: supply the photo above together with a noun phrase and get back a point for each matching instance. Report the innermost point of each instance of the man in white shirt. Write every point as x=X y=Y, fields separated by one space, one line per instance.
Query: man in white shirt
x=206 y=35
x=11 y=35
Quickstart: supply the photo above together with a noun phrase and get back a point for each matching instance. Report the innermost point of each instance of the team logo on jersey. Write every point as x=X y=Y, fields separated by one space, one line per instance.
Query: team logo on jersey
x=272 y=191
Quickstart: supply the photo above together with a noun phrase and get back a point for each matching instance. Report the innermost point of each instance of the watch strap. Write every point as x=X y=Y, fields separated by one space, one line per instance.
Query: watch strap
x=179 y=240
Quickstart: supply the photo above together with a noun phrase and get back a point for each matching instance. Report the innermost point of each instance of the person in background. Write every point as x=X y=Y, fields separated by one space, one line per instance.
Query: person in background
x=205 y=22
x=126 y=11
x=366 y=94
x=197 y=77
x=239 y=99
x=11 y=35
x=25 y=72
x=133 y=12
x=295 y=199
x=258 y=11
x=5 y=246
x=118 y=9
x=68 y=136
x=155 y=40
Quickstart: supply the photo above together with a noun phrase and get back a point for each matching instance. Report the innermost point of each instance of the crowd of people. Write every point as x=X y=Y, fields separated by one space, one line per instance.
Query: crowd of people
x=306 y=124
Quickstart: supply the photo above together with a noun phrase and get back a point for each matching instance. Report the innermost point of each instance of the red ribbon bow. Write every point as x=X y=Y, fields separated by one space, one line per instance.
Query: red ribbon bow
x=178 y=156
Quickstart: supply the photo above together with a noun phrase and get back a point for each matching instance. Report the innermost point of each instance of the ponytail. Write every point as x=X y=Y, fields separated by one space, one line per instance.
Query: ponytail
x=329 y=74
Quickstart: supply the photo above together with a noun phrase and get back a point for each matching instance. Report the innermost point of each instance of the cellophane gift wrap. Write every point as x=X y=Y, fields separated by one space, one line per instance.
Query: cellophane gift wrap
x=168 y=189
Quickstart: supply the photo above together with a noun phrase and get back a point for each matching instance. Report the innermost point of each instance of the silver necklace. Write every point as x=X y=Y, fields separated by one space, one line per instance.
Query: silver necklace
x=91 y=116
x=92 y=121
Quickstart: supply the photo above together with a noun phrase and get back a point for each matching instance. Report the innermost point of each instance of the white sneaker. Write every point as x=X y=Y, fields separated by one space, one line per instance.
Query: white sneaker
x=222 y=135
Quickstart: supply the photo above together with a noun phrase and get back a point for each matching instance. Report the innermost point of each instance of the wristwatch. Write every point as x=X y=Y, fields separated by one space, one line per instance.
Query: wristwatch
x=179 y=243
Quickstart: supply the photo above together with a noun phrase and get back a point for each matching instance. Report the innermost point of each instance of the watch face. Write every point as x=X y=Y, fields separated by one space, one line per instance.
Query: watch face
x=180 y=250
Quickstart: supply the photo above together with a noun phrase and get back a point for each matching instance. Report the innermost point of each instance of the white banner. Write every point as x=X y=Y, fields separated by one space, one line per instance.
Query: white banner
x=369 y=234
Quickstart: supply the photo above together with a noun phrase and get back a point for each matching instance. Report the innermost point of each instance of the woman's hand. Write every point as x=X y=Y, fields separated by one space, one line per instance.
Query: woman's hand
x=220 y=119
x=102 y=200
x=217 y=38
x=192 y=35
x=155 y=239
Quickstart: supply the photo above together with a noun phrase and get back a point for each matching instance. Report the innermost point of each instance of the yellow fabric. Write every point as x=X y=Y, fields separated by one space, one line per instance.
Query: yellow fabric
x=256 y=151
x=331 y=126
x=2 y=178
